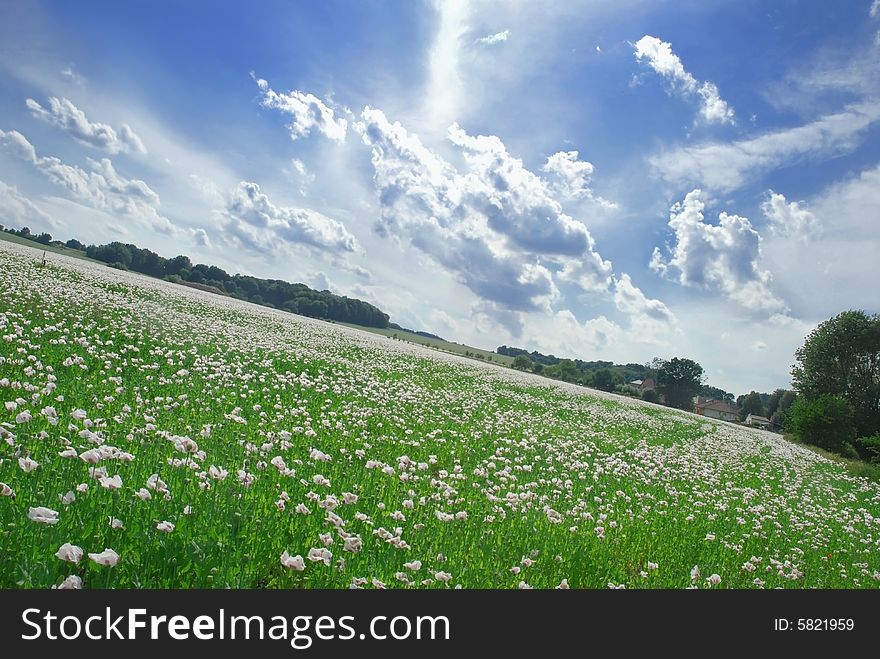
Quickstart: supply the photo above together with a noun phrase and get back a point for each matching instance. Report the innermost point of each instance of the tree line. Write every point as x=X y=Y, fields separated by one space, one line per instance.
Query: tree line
x=275 y=293
x=837 y=375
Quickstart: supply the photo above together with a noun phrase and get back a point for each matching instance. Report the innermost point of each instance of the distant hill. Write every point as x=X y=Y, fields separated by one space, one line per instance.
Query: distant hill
x=428 y=335
x=276 y=293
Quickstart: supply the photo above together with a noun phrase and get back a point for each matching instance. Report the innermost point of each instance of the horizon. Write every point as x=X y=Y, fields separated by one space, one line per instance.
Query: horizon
x=601 y=181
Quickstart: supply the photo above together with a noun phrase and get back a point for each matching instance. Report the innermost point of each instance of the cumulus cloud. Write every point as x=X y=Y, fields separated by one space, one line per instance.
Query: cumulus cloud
x=566 y=335
x=63 y=114
x=722 y=258
x=102 y=188
x=874 y=11
x=307 y=112
x=18 y=211
x=319 y=281
x=492 y=39
x=572 y=177
x=257 y=223
x=726 y=166
x=650 y=321
x=629 y=299
x=659 y=55
x=496 y=226
x=789 y=219
x=516 y=202
x=821 y=276
x=201 y=238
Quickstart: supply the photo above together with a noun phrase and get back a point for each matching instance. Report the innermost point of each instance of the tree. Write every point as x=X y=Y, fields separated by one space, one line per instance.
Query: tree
x=715 y=393
x=604 y=379
x=773 y=401
x=564 y=370
x=780 y=416
x=523 y=363
x=841 y=357
x=750 y=404
x=826 y=421
x=679 y=381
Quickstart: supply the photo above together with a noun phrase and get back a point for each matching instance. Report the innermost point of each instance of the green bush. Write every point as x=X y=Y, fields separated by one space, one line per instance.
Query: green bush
x=826 y=422
x=651 y=396
x=872 y=446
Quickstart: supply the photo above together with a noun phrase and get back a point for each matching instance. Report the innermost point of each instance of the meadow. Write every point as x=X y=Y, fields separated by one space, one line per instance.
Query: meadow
x=155 y=436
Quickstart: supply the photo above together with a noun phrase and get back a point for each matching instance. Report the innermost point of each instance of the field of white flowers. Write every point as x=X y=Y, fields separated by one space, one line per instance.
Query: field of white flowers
x=156 y=436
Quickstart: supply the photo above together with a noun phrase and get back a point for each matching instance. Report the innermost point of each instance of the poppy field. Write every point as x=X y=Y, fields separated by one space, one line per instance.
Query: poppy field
x=155 y=436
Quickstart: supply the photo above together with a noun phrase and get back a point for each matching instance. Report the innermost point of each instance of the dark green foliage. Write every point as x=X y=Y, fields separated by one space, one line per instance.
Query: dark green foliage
x=750 y=404
x=587 y=369
x=604 y=379
x=523 y=363
x=651 y=396
x=773 y=401
x=842 y=357
x=296 y=298
x=871 y=445
x=679 y=381
x=427 y=335
x=715 y=393
x=826 y=422
x=565 y=370
x=779 y=417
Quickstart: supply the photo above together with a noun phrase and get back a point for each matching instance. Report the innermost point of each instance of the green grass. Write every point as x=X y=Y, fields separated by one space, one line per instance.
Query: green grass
x=18 y=240
x=437 y=344
x=472 y=471
x=858 y=468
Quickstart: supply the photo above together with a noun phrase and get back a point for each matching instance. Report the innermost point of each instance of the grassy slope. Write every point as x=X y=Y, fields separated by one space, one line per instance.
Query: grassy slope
x=445 y=346
x=74 y=253
x=596 y=489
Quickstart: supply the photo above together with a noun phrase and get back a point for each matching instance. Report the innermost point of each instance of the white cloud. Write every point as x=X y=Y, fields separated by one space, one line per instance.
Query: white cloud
x=128 y=137
x=726 y=166
x=830 y=273
x=69 y=74
x=307 y=112
x=492 y=39
x=789 y=219
x=573 y=177
x=851 y=208
x=102 y=187
x=516 y=202
x=632 y=301
x=18 y=211
x=874 y=11
x=563 y=335
x=496 y=226
x=319 y=281
x=257 y=223
x=713 y=109
x=63 y=114
x=200 y=238
x=721 y=258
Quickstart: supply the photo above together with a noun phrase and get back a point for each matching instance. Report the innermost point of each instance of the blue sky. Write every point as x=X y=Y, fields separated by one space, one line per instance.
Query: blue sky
x=604 y=180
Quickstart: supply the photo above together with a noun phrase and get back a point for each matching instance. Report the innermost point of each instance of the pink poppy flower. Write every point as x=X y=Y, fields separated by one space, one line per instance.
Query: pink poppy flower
x=107 y=558
x=70 y=553
x=43 y=515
